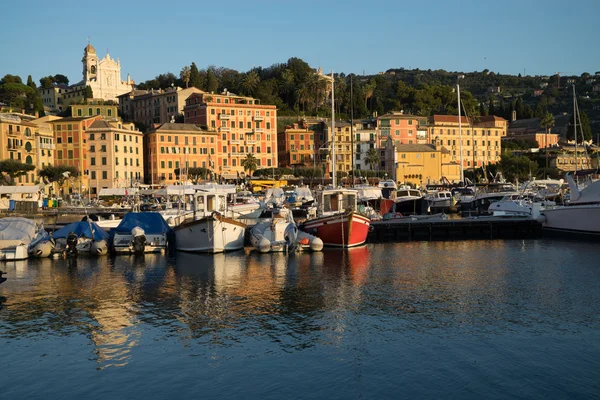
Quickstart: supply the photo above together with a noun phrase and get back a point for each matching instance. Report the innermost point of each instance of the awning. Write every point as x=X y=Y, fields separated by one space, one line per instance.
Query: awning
x=19 y=189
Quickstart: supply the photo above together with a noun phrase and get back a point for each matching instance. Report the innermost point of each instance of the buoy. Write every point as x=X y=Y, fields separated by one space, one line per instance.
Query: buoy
x=42 y=250
x=316 y=244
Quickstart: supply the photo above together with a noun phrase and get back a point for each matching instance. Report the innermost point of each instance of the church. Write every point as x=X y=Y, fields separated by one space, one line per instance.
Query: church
x=104 y=75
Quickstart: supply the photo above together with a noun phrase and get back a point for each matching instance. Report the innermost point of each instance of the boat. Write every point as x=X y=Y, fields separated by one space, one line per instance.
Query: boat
x=579 y=215
x=407 y=202
x=439 y=200
x=21 y=238
x=81 y=237
x=139 y=233
x=210 y=231
x=338 y=223
x=277 y=234
x=479 y=203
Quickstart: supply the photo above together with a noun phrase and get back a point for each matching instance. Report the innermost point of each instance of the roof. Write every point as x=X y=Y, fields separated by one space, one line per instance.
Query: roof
x=490 y=118
x=174 y=126
x=90 y=49
x=413 y=148
x=398 y=115
x=449 y=119
x=100 y=124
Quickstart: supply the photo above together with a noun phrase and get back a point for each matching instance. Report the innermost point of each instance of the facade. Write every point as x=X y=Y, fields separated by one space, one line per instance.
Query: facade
x=71 y=149
x=296 y=146
x=402 y=127
x=94 y=108
x=365 y=139
x=420 y=164
x=103 y=76
x=170 y=146
x=154 y=106
x=243 y=126
x=543 y=139
x=343 y=148
x=116 y=155
x=481 y=140
x=21 y=142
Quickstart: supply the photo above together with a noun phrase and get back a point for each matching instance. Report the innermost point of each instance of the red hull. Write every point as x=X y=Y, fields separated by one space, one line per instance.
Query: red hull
x=341 y=230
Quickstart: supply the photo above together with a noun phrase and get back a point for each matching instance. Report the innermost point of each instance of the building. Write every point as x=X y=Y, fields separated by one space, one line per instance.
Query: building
x=543 y=139
x=71 y=149
x=116 y=155
x=243 y=126
x=296 y=146
x=481 y=140
x=342 y=146
x=420 y=164
x=401 y=127
x=365 y=139
x=154 y=106
x=173 y=145
x=23 y=143
x=102 y=75
x=92 y=108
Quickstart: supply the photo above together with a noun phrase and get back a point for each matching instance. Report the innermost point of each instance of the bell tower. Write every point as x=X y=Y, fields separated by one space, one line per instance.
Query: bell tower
x=90 y=63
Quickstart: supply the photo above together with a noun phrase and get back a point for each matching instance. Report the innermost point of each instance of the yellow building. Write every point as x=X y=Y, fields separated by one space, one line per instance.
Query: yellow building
x=481 y=138
x=296 y=145
x=116 y=155
x=94 y=108
x=170 y=146
x=419 y=164
x=27 y=142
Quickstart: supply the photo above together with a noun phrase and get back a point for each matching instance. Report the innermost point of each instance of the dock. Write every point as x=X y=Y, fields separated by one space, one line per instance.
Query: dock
x=409 y=229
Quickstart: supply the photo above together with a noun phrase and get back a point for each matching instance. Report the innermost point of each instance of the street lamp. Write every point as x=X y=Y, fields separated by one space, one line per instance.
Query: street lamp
x=462 y=172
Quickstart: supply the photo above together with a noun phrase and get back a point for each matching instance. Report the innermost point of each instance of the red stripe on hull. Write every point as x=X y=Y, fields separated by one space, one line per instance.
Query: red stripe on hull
x=336 y=231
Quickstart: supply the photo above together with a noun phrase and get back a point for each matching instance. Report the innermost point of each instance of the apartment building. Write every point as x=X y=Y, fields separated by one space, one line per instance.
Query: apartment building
x=154 y=106
x=71 y=148
x=26 y=142
x=170 y=146
x=481 y=138
x=116 y=155
x=92 y=108
x=243 y=126
x=296 y=146
x=403 y=128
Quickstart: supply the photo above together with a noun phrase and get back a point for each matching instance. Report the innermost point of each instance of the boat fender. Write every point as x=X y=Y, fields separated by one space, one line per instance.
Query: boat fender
x=99 y=247
x=264 y=245
x=316 y=244
x=43 y=249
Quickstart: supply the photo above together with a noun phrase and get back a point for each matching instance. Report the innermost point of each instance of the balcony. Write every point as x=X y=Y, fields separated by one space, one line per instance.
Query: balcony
x=224 y=116
x=259 y=130
x=251 y=141
x=224 y=129
x=258 y=118
x=48 y=146
x=12 y=132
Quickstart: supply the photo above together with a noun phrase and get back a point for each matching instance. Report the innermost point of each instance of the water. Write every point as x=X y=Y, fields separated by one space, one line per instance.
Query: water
x=475 y=319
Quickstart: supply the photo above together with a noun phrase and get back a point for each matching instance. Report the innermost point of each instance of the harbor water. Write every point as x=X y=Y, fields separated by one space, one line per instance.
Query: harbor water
x=470 y=319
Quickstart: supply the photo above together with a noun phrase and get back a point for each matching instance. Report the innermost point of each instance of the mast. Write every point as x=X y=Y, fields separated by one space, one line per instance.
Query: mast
x=332 y=132
x=352 y=132
x=575 y=127
x=462 y=171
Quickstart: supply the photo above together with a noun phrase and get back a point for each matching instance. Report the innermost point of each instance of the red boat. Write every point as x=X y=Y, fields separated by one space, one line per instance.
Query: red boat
x=337 y=223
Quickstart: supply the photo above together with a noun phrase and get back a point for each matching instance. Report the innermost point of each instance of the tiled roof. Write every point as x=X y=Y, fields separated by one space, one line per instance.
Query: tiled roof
x=450 y=119
x=413 y=148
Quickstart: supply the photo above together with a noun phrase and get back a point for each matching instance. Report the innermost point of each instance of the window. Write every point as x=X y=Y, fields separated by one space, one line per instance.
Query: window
x=93 y=174
x=104 y=174
x=91 y=136
x=79 y=112
x=103 y=162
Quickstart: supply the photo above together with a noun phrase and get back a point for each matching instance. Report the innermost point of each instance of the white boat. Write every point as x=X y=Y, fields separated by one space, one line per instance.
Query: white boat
x=520 y=205
x=80 y=237
x=281 y=234
x=243 y=205
x=581 y=214
x=21 y=238
x=439 y=200
x=210 y=230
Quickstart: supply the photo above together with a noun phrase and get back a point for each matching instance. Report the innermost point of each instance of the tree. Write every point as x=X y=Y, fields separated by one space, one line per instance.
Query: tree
x=46 y=82
x=212 y=83
x=61 y=79
x=249 y=83
x=491 y=107
x=547 y=122
x=195 y=80
x=12 y=169
x=249 y=163
x=89 y=93
x=185 y=75
x=30 y=82
x=372 y=158
x=58 y=173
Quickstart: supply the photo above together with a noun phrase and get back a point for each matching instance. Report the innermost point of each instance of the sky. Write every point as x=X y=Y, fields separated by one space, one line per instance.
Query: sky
x=531 y=37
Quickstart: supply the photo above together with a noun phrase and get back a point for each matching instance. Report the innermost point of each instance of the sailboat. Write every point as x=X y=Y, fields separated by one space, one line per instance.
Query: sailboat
x=338 y=223
x=581 y=213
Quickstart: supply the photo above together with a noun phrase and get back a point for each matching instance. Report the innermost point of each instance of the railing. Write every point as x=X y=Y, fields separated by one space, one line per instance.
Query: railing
x=224 y=129
x=224 y=116
x=259 y=130
x=258 y=118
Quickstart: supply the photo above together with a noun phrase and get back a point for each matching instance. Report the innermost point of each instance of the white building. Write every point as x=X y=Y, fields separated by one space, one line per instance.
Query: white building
x=103 y=76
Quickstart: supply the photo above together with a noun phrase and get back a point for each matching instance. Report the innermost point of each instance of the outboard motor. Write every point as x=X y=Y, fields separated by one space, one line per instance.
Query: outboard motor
x=2 y=279
x=72 y=244
x=139 y=240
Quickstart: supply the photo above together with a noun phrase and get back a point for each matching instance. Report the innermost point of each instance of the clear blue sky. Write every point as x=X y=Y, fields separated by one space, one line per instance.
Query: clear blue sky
x=540 y=37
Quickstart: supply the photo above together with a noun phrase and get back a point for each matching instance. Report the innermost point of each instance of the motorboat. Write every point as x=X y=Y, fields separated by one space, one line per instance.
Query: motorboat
x=139 y=233
x=579 y=215
x=21 y=238
x=243 y=205
x=337 y=222
x=209 y=230
x=407 y=201
x=520 y=205
x=80 y=237
x=439 y=200
x=388 y=188
x=300 y=201
x=277 y=234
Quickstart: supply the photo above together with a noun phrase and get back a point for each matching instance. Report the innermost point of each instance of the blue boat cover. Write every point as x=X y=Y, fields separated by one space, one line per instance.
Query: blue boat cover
x=150 y=222
x=82 y=229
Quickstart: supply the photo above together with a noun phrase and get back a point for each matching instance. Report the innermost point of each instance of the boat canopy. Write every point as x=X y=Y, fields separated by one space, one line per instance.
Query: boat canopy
x=86 y=229
x=150 y=222
x=17 y=230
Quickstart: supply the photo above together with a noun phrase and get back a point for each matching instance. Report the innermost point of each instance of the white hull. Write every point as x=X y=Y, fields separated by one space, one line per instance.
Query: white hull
x=212 y=234
x=274 y=236
x=18 y=252
x=123 y=244
x=583 y=219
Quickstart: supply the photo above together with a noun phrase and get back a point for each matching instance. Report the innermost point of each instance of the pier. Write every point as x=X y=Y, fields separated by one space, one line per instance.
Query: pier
x=407 y=229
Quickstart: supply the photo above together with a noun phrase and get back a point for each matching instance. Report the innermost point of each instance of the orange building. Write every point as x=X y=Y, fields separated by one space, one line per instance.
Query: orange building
x=401 y=128
x=170 y=146
x=71 y=148
x=296 y=145
x=243 y=126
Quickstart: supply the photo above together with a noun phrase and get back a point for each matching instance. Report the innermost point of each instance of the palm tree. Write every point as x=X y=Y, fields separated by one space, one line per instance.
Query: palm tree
x=249 y=82
x=372 y=158
x=547 y=122
x=185 y=75
x=249 y=163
